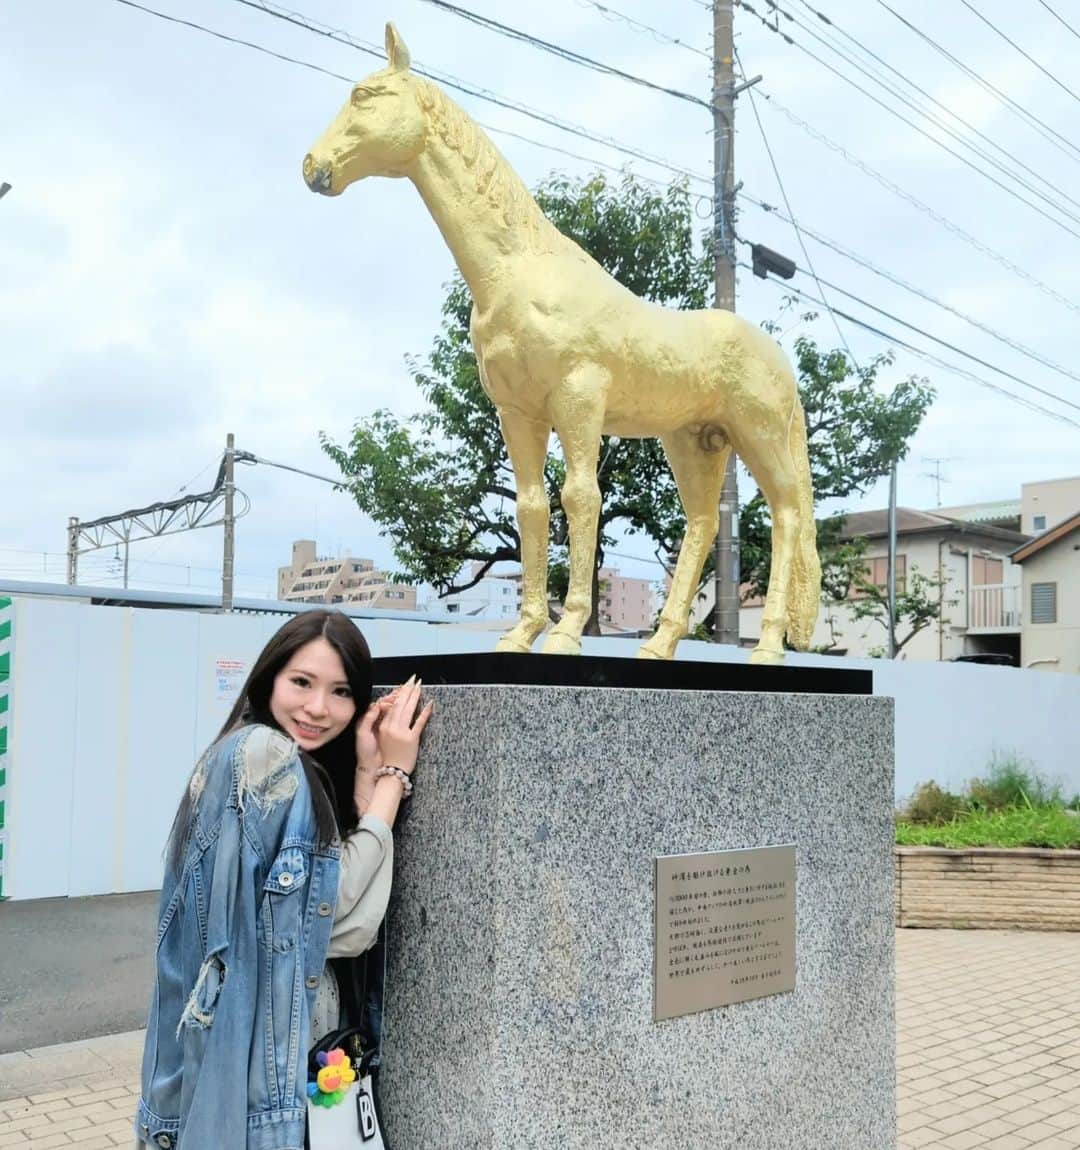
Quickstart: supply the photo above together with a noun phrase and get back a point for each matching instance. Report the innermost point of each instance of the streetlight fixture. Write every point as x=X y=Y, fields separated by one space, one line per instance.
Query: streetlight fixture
x=4 y=189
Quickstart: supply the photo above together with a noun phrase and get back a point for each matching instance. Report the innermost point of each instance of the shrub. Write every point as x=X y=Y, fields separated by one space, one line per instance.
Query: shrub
x=1012 y=782
x=932 y=806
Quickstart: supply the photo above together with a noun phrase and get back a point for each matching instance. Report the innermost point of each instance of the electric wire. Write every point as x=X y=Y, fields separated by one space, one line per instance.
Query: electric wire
x=922 y=132
x=1013 y=44
x=563 y=53
x=929 y=357
x=233 y=39
x=340 y=36
x=1032 y=121
x=615 y=16
x=934 y=119
x=915 y=202
x=1060 y=19
x=950 y=346
x=344 y=38
x=835 y=246
x=190 y=24
x=791 y=215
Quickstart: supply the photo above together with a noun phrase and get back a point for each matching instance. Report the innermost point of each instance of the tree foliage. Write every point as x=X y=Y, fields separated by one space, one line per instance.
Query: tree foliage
x=918 y=603
x=855 y=428
x=439 y=484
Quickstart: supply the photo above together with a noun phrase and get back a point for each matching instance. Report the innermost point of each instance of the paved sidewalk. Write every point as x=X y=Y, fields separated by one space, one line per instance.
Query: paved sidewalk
x=989 y=1055
x=988 y=1029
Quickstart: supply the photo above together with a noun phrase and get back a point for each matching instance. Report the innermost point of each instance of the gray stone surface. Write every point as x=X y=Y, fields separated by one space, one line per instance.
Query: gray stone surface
x=519 y=1008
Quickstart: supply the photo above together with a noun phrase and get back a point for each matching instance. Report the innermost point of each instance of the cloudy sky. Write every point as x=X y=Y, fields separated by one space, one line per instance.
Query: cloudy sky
x=165 y=276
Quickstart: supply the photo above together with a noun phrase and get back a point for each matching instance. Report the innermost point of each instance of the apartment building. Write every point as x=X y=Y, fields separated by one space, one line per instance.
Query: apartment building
x=311 y=578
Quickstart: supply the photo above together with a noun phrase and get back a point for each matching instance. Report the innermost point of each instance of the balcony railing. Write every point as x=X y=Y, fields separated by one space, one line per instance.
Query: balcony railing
x=994 y=607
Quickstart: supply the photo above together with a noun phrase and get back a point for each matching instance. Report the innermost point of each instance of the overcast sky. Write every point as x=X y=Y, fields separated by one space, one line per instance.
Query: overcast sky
x=166 y=277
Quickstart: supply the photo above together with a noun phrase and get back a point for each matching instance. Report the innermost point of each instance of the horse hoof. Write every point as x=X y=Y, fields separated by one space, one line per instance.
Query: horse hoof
x=513 y=645
x=766 y=658
x=559 y=644
x=647 y=652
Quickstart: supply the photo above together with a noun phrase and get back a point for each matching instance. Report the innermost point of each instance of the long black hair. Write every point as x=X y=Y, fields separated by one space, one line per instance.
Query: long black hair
x=329 y=769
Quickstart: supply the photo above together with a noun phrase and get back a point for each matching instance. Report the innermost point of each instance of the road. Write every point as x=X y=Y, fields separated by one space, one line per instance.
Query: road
x=74 y=968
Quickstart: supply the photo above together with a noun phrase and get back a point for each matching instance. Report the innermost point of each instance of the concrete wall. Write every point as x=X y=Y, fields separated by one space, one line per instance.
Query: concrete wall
x=110 y=706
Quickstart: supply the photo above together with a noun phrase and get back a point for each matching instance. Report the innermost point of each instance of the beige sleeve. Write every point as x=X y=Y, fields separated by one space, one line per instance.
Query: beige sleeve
x=367 y=866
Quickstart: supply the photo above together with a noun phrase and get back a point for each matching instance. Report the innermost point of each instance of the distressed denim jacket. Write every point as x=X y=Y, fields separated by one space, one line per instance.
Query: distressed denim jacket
x=242 y=936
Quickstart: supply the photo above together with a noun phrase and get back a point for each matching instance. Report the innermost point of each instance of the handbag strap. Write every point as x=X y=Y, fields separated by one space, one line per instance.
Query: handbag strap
x=361 y=981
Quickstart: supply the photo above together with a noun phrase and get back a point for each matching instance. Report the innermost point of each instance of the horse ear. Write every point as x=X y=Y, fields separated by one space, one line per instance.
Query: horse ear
x=396 y=52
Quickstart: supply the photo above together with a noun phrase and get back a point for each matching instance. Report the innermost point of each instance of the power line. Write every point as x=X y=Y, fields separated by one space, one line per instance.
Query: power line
x=567 y=54
x=1060 y=19
x=340 y=36
x=922 y=132
x=854 y=257
x=613 y=14
x=873 y=74
x=1033 y=121
x=130 y=3
x=952 y=347
x=929 y=357
x=936 y=216
x=1013 y=44
x=791 y=215
x=233 y=40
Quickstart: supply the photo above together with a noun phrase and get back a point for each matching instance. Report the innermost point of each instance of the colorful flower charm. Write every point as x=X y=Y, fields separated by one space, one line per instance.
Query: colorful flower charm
x=334 y=1078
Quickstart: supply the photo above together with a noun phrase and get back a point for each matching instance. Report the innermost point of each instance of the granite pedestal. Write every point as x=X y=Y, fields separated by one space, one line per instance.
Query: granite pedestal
x=519 y=1009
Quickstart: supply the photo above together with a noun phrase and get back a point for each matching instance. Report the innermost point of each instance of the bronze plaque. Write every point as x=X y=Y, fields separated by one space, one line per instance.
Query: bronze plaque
x=725 y=928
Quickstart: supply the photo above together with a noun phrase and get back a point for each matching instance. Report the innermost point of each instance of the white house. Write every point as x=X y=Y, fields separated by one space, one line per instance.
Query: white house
x=493 y=597
x=979 y=589
x=1051 y=595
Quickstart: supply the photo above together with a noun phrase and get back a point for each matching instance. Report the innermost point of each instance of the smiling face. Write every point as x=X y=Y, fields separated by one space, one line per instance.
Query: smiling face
x=379 y=131
x=311 y=700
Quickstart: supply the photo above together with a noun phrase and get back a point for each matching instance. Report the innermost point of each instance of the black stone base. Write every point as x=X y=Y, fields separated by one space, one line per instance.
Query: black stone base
x=643 y=674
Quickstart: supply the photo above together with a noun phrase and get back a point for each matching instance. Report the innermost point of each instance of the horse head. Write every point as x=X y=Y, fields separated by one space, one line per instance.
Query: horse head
x=379 y=132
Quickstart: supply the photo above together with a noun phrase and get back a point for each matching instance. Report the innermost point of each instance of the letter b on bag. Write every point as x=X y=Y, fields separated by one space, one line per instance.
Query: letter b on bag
x=365 y=1110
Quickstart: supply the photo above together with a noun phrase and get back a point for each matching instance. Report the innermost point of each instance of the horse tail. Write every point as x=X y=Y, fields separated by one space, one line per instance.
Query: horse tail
x=804 y=587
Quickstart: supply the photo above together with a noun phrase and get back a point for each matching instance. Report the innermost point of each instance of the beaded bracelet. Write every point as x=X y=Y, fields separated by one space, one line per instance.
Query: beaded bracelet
x=400 y=775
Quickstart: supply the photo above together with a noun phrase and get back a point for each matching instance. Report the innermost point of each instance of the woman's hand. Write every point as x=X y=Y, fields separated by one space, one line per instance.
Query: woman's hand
x=368 y=756
x=400 y=726
x=388 y=735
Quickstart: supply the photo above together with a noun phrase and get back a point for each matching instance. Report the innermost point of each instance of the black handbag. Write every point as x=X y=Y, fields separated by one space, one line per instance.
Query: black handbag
x=356 y=1121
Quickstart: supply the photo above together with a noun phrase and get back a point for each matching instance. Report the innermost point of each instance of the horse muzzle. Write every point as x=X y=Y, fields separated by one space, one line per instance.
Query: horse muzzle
x=317 y=176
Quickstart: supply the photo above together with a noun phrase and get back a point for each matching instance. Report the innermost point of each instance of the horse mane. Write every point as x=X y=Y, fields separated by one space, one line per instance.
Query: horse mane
x=496 y=181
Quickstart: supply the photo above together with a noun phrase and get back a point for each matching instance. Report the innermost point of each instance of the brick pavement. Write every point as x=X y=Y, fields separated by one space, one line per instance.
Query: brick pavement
x=989 y=1055
x=988 y=1029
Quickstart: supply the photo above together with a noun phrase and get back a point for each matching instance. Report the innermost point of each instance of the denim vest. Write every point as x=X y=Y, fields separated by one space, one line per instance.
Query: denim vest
x=242 y=937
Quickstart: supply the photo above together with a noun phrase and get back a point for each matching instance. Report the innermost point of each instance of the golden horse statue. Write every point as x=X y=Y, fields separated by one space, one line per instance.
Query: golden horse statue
x=560 y=345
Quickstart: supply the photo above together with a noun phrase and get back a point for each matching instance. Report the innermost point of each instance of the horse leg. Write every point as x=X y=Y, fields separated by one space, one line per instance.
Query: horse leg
x=699 y=475
x=527 y=442
x=577 y=411
x=769 y=460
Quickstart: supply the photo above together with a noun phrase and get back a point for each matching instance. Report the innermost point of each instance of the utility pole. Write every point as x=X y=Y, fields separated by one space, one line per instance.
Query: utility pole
x=890 y=580
x=726 y=624
x=230 y=527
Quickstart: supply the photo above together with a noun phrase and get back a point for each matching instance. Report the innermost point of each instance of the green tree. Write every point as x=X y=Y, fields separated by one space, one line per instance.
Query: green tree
x=855 y=428
x=919 y=601
x=439 y=484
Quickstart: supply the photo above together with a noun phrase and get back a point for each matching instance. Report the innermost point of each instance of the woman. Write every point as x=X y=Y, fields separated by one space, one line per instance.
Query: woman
x=280 y=857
